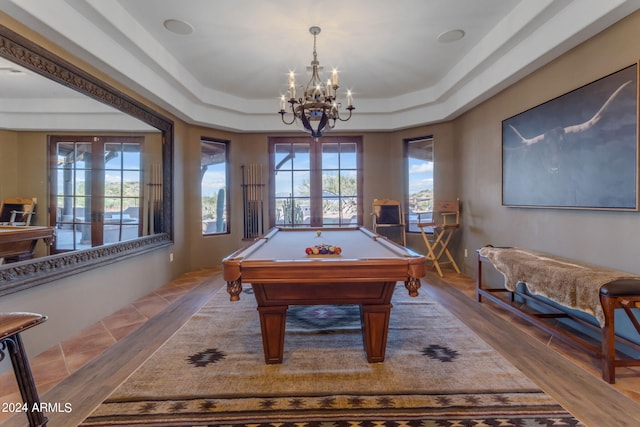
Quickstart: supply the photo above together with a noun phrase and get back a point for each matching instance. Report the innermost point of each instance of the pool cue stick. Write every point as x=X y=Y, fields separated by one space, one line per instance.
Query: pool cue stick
x=160 y=198
x=148 y=201
x=253 y=199
x=250 y=188
x=154 y=198
x=261 y=195
x=244 y=202
x=249 y=213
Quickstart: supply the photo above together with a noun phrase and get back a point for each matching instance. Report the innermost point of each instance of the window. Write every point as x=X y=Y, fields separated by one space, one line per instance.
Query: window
x=214 y=184
x=316 y=183
x=419 y=154
x=96 y=190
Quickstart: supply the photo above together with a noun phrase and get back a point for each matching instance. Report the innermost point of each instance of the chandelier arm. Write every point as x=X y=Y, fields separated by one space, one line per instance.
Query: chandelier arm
x=347 y=118
x=293 y=111
x=282 y=114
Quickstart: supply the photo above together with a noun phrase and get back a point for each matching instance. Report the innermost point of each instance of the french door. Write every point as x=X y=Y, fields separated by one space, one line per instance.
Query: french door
x=316 y=183
x=96 y=190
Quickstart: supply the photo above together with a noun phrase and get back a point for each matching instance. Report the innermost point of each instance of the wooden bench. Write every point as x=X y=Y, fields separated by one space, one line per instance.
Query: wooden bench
x=578 y=286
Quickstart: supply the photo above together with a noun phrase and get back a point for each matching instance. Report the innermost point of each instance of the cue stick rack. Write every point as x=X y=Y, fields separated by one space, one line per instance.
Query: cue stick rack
x=253 y=200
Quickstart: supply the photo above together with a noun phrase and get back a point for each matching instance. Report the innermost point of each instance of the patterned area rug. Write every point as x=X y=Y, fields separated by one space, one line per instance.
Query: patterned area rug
x=436 y=373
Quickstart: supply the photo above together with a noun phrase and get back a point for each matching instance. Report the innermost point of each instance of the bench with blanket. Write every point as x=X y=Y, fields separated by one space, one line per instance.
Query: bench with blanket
x=578 y=286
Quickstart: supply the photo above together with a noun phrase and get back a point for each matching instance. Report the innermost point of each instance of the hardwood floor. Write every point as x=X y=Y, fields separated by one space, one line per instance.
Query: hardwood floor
x=572 y=377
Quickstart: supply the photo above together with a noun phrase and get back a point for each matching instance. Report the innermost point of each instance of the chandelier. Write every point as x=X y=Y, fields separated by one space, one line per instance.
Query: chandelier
x=317 y=109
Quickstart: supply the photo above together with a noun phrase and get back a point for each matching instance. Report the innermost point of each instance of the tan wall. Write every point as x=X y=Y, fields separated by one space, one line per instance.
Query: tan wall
x=9 y=165
x=606 y=238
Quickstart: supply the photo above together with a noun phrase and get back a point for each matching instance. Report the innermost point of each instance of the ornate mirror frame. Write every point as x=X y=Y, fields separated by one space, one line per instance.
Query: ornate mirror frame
x=25 y=274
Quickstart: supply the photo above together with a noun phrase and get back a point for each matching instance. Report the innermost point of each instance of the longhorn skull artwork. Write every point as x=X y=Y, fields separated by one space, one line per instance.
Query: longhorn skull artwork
x=584 y=152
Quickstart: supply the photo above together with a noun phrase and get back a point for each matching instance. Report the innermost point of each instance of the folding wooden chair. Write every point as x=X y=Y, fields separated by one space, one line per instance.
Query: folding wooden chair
x=388 y=220
x=17 y=211
x=444 y=224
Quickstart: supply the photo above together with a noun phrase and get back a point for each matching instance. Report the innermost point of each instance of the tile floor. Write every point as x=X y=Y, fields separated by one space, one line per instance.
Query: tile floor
x=55 y=364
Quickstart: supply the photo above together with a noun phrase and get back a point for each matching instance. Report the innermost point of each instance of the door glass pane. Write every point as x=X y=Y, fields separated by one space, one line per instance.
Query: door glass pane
x=330 y=183
x=349 y=211
x=82 y=156
x=131 y=210
x=283 y=156
x=112 y=208
x=113 y=156
x=112 y=183
x=330 y=211
x=330 y=156
x=348 y=158
x=301 y=184
x=348 y=183
x=292 y=211
x=131 y=183
x=302 y=157
x=284 y=184
x=131 y=157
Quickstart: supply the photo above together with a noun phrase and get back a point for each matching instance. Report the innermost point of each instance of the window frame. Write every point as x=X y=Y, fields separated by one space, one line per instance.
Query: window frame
x=227 y=196
x=407 y=192
x=315 y=196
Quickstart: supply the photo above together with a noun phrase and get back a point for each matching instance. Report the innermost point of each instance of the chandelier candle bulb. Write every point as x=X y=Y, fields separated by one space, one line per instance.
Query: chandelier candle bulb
x=349 y=99
x=283 y=103
x=334 y=76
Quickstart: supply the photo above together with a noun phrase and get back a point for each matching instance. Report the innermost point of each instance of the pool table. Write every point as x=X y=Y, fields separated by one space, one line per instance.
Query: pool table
x=18 y=242
x=281 y=273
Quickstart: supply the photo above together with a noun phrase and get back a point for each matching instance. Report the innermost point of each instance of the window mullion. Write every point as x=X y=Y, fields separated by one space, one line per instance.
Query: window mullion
x=316 y=184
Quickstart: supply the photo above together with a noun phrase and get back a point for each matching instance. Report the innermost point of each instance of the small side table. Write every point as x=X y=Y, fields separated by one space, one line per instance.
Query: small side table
x=11 y=325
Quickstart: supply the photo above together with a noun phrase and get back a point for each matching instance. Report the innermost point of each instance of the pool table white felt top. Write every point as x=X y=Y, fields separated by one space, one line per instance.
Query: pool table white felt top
x=290 y=244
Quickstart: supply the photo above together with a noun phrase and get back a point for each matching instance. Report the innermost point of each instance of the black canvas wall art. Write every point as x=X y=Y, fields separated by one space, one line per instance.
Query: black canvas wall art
x=579 y=150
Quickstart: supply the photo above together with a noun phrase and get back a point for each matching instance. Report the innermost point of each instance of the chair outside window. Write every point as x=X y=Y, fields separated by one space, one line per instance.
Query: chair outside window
x=17 y=211
x=438 y=232
x=388 y=220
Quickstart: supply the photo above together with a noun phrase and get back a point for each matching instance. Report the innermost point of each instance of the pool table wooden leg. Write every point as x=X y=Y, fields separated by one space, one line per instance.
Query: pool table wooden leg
x=375 y=325
x=272 y=323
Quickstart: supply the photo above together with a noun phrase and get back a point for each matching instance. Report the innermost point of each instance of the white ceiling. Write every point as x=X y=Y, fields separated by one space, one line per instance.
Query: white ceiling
x=230 y=71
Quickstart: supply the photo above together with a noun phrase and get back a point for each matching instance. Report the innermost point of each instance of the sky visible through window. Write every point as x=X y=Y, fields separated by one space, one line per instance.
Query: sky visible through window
x=421 y=175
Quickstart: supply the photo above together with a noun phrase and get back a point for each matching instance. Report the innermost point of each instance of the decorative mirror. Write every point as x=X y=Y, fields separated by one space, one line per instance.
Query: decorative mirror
x=118 y=151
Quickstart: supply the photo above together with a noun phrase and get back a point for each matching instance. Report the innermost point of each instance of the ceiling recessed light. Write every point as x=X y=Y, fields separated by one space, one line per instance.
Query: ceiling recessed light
x=450 y=36
x=178 y=27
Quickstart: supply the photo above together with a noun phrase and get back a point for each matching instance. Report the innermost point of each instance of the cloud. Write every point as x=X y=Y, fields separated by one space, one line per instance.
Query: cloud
x=421 y=167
